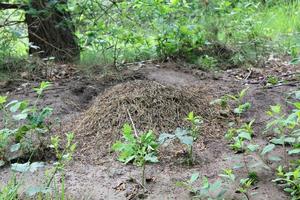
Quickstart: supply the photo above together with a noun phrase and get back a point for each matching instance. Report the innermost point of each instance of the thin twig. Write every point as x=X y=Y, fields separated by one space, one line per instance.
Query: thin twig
x=134 y=129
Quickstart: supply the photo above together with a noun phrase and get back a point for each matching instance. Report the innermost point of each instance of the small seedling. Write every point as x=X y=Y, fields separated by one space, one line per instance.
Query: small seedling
x=245 y=185
x=185 y=136
x=207 y=190
x=238 y=135
x=236 y=100
x=63 y=156
x=10 y=191
x=290 y=181
x=195 y=125
x=272 y=80
x=138 y=149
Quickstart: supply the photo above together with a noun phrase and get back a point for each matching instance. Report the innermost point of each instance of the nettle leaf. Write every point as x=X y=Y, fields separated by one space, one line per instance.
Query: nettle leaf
x=216 y=186
x=16 y=105
x=27 y=167
x=165 y=138
x=268 y=149
x=20 y=116
x=297 y=95
x=276 y=109
x=117 y=146
x=182 y=135
x=290 y=140
x=194 y=177
x=275 y=158
x=188 y=140
x=127 y=159
x=15 y=147
x=20 y=167
x=242 y=108
x=253 y=147
x=35 y=166
x=297 y=105
x=279 y=141
x=3 y=99
x=2 y=163
x=151 y=158
x=127 y=133
x=32 y=191
x=245 y=135
x=294 y=151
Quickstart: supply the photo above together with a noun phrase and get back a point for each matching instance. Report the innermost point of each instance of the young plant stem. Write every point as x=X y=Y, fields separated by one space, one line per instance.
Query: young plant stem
x=284 y=150
x=143 y=177
x=247 y=195
x=245 y=163
x=191 y=162
x=63 y=186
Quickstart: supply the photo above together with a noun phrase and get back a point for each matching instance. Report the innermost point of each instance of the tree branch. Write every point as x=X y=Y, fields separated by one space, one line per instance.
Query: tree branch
x=5 y=6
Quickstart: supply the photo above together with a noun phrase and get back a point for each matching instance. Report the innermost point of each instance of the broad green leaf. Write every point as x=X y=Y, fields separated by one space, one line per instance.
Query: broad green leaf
x=20 y=116
x=165 y=137
x=194 y=177
x=2 y=163
x=275 y=158
x=297 y=94
x=297 y=105
x=117 y=146
x=276 y=109
x=278 y=140
x=34 y=190
x=20 y=167
x=35 y=166
x=294 y=151
x=15 y=147
x=268 y=149
x=290 y=140
x=128 y=159
x=127 y=133
x=151 y=158
x=182 y=135
x=187 y=140
x=18 y=106
x=215 y=186
x=245 y=135
x=253 y=147
x=3 y=99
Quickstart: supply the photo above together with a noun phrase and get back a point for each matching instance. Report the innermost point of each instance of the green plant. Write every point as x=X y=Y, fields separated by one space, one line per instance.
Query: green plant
x=272 y=80
x=207 y=62
x=285 y=129
x=185 y=136
x=63 y=156
x=245 y=185
x=195 y=125
x=237 y=136
x=237 y=100
x=10 y=191
x=207 y=190
x=3 y=100
x=138 y=149
x=290 y=180
x=22 y=118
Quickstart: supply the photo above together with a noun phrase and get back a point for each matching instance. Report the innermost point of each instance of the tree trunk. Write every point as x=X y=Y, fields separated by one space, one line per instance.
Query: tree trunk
x=50 y=30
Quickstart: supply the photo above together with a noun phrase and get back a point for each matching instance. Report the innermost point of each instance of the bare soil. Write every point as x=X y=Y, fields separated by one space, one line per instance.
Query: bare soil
x=106 y=178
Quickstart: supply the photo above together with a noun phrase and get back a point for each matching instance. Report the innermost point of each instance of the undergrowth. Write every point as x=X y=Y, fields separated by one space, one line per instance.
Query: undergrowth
x=131 y=31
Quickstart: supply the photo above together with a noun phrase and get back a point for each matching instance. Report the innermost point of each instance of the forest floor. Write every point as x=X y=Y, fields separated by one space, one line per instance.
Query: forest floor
x=109 y=179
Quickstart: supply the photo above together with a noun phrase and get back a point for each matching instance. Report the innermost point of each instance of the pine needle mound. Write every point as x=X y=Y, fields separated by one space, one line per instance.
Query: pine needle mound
x=151 y=106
